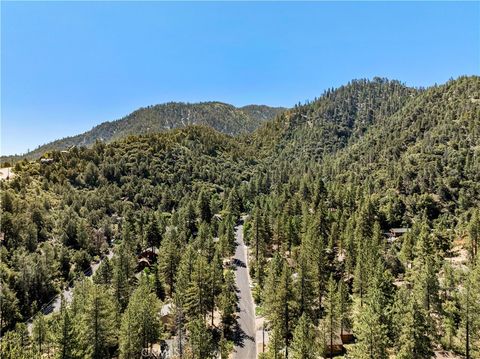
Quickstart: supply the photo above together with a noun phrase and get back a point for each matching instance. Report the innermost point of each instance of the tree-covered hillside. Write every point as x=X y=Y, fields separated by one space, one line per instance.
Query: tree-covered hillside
x=339 y=117
x=372 y=230
x=430 y=146
x=220 y=116
x=59 y=217
x=362 y=221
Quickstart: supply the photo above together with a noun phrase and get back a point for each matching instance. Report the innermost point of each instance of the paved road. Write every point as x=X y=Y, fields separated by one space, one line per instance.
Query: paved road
x=245 y=347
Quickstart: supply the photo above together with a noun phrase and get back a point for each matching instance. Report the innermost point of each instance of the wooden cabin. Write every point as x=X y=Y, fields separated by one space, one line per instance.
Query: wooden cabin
x=347 y=336
x=339 y=340
x=336 y=348
x=167 y=316
x=146 y=258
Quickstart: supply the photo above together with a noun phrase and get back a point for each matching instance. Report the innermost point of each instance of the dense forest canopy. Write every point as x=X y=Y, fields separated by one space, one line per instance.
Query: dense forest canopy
x=362 y=218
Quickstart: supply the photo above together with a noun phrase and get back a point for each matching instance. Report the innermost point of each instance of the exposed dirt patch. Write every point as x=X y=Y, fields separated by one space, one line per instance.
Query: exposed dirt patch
x=459 y=257
x=442 y=354
x=6 y=173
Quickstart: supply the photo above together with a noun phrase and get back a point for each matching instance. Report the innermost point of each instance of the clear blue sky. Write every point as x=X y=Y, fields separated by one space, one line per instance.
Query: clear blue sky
x=66 y=67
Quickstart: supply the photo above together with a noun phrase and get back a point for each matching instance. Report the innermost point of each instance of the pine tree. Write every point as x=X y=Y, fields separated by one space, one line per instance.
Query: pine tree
x=40 y=334
x=474 y=233
x=258 y=243
x=13 y=346
x=169 y=259
x=285 y=297
x=315 y=248
x=291 y=233
x=204 y=241
x=9 y=306
x=64 y=335
x=304 y=345
x=224 y=347
x=184 y=274
x=216 y=282
x=426 y=283
x=367 y=252
x=96 y=323
x=344 y=305
x=414 y=340
x=406 y=253
x=331 y=320
x=91 y=175
x=278 y=231
x=200 y=339
x=278 y=296
x=104 y=273
x=271 y=285
x=370 y=326
x=275 y=342
x=153 y=236
x=233 y=205
x=124 y=265
x=425 y=271
x=450 y=315
x=470 y=307
x=227 y=237
x=228 y=300
x=304 y=290
x=360 y=277
x=203 y=206
x=188 y=224
x=198 y=295
x=349 y=244
x=140 y=323
x=178 y=310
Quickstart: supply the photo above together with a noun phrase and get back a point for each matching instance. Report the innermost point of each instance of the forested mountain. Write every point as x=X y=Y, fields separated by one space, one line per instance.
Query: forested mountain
x=328 y=214
x=429 y=147
x=261 y=113
x=362 y=218
x=337 y=118
x=220 y=116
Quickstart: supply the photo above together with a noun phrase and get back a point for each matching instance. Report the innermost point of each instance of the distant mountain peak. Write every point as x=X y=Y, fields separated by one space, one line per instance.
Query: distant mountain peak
x=220 y=116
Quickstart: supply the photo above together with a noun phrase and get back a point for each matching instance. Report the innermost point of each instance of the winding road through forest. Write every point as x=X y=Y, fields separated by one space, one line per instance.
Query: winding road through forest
x=245 y=346
x=55 y=304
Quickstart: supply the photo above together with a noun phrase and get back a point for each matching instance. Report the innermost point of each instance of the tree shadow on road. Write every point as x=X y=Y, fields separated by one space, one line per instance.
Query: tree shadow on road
x=236 y=333
x=238 y=336
x=238 y=263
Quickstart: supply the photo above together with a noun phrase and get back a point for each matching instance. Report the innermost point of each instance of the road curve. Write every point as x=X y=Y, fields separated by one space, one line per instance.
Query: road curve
x=55 y=304
x=245 y=348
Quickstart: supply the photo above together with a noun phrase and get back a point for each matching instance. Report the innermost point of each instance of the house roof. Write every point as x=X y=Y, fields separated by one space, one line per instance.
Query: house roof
x=399 y=230
x=150 y=251
x=167 y=309
x=144 y=260
x=336 y=340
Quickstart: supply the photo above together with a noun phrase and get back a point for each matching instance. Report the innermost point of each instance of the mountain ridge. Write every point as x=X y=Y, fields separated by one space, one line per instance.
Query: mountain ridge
x=221 y=116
